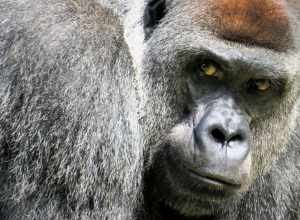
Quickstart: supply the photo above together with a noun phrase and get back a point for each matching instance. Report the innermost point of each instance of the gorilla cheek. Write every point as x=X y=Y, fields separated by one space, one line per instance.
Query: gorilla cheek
x=182 y=140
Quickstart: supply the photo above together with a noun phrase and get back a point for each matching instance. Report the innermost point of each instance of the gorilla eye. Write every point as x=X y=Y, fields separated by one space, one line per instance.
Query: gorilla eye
x=260 y=84
x=208 y=68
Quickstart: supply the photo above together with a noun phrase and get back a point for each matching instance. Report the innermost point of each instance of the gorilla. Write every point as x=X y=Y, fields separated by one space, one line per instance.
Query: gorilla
x=155 y=110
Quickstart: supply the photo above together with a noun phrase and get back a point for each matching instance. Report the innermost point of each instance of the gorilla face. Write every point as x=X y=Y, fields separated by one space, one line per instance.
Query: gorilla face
x=227 y=97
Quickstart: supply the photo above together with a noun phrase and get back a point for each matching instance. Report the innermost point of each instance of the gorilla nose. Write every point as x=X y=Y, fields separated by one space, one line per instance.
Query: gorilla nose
x=223 y=132
x=224 y=136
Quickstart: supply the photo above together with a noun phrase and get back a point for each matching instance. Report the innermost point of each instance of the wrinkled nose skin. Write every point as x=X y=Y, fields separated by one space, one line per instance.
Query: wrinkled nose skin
x=222 y=135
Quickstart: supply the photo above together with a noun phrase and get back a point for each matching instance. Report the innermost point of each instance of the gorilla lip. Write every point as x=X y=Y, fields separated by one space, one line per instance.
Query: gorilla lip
x=215 y=180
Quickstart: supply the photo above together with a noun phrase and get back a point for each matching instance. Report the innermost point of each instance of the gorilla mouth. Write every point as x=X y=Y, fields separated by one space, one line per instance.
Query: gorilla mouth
x=215 y=181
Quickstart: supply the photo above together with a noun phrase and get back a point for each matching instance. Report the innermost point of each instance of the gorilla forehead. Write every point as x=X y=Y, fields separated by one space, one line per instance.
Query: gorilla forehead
x=263 y=23
x=189 y=28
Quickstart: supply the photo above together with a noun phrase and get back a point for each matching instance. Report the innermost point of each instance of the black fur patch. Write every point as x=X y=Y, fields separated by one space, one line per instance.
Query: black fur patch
x=154 y=12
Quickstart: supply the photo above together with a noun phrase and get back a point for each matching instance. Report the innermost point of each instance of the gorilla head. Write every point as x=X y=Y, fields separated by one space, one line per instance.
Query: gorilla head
x=231 y=68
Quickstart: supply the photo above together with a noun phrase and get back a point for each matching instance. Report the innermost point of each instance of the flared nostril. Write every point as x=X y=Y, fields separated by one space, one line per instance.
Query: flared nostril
x=237 y=137
x=218 y=135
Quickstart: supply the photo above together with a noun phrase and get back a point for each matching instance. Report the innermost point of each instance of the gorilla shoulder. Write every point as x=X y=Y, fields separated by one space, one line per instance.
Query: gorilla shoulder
x=69 y=145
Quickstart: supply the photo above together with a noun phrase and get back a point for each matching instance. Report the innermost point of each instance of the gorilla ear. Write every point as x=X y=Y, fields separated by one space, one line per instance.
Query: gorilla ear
x=154 y=12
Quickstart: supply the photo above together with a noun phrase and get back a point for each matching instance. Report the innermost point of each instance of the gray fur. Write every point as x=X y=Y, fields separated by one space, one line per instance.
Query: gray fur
x=70 y=141
x=83 y=98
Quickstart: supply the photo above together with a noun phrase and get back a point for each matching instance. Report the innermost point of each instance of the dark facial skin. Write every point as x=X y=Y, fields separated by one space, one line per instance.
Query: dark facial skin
x=233 y=107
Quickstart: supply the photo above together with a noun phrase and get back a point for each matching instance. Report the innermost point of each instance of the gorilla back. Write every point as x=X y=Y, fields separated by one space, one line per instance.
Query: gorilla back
x=70 y=147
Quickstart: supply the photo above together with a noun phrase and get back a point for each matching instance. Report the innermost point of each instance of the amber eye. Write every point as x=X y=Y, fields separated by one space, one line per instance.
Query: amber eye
x=209 y=69
x=262 y=84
